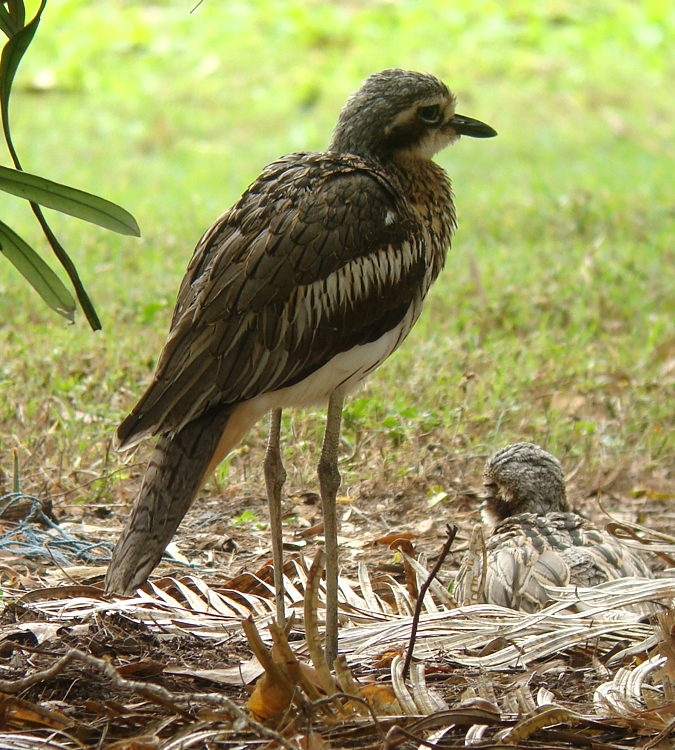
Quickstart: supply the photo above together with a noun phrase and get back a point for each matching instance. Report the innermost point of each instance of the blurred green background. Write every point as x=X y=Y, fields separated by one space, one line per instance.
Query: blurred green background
x=554 y=318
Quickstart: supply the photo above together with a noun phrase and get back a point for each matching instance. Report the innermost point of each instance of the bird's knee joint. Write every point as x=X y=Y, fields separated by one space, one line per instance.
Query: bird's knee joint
x=273 y=466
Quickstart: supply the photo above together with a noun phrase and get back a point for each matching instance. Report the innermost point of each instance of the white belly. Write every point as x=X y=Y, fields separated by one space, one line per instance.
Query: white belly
x=343 y=373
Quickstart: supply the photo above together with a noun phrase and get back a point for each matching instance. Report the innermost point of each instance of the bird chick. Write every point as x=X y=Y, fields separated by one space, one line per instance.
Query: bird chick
x=534 y=539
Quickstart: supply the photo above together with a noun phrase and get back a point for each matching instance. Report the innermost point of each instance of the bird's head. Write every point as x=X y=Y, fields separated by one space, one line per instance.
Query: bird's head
x=522 y=478
x=402 y=112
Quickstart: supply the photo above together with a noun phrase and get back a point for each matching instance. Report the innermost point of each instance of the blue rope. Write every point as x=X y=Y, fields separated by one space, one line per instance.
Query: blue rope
x=29 y=539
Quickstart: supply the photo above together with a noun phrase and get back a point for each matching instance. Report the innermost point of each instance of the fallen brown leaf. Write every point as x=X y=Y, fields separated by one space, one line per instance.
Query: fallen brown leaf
x=141 y=668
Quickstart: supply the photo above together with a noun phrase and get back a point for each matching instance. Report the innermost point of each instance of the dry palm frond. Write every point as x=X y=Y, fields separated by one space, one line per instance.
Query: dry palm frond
x=461 y=633
x=15 y=741
x=481 y=637
x=625 y=695
x=190 y=605
x=644 y=539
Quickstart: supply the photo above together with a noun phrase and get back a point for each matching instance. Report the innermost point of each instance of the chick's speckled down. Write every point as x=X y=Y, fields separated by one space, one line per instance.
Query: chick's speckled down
x=534 y=540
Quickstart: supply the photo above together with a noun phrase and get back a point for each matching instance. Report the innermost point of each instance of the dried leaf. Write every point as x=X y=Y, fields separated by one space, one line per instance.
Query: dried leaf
x=16 y=713
x=243 y=673
x=141 y=668
x=544 y=716
x=382 y=698
x=311 y=626
x=276 y=687
x=271 y=698
x=145 y=742
x=392 y=539
x=313 y=741
x=401 y=691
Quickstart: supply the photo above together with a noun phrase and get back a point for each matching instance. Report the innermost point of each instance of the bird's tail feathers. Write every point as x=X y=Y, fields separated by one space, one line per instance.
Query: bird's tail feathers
x=176 y=472
x=140 y=424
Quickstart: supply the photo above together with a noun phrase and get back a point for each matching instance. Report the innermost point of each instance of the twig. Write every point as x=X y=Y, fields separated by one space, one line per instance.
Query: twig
x=17 y=686
x=452 y=533
x=345 y=680
x=397 y=735
x=220 y=700
x=154 y=693
x=101 y=478
x=659 y=737
x=59 y=566
x=356 y=698
x=480 y=712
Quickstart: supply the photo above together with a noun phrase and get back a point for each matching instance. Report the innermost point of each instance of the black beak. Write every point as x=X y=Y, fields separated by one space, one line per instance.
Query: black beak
x=475 y=128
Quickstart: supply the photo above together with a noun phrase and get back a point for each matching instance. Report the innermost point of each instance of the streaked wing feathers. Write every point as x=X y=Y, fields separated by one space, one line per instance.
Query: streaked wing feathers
x=307 y=264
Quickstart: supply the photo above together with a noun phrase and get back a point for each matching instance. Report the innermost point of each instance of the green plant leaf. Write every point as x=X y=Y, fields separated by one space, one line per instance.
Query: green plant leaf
x=12 y=53
x=17 y=10
x=68 y=200
x=7 y=23
x=67 y=263
x=13 y=17
x=38 y=274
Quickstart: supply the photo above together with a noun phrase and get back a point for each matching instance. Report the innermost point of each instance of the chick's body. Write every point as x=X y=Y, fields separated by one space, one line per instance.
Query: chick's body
x=535 y=540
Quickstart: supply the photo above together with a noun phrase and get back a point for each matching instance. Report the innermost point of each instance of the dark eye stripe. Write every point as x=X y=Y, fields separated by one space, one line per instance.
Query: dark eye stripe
x=430 y=113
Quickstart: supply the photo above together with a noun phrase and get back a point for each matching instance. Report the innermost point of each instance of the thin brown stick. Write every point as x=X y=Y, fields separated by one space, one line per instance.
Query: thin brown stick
x=452 y=533
x=480 y=712
x=659 y=737
x=397 y=735
x=356 y=698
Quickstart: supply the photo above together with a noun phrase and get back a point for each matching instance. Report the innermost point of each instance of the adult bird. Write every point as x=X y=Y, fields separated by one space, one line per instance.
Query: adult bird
x=292 y=297
x=534 y=539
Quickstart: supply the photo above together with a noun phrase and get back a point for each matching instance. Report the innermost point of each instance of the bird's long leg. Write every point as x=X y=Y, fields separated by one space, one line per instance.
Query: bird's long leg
x=329 y=482
x=275 y=477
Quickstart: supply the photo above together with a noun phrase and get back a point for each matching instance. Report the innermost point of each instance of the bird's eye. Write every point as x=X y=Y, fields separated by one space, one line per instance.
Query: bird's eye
x=429 y=114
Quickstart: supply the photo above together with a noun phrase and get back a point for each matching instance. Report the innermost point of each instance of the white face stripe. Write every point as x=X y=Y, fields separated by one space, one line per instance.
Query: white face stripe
x=436 y=138
x=407 y=115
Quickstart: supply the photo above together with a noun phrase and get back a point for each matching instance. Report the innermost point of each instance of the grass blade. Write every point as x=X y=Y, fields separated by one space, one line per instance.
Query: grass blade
x=36 y=272
x=68 y=200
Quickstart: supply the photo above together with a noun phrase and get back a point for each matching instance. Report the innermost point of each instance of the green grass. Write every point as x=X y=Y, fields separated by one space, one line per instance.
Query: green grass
x=553 y=321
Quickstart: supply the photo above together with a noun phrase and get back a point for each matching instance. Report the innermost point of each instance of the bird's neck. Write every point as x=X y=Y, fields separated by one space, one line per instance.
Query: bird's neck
x=427 y=187
x=428 y=190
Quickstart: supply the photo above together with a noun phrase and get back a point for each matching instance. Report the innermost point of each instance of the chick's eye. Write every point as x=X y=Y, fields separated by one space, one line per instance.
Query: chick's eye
x=430 y=113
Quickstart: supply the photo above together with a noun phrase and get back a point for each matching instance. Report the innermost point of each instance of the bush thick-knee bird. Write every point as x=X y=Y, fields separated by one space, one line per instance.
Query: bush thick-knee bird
x=534 y=539
x=293 y=296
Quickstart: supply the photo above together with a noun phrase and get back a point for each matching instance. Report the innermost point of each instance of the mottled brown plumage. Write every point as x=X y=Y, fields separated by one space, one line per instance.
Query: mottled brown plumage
x=293 y=296
x=284 y=281
x=534 y=539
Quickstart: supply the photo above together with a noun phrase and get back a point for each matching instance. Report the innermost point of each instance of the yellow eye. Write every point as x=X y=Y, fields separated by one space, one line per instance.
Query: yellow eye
x=429 y=114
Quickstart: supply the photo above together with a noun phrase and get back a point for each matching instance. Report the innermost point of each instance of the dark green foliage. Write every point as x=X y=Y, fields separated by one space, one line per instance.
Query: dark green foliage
x=39 y=191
